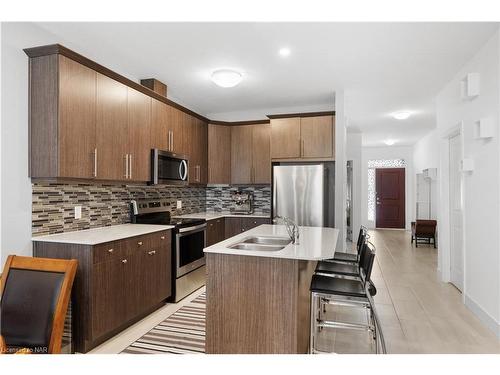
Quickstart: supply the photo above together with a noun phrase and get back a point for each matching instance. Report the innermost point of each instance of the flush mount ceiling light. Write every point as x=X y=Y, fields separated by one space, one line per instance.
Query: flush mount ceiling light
x=401 y=115
x=226 y=77
x=389 y=142
x=284 y=52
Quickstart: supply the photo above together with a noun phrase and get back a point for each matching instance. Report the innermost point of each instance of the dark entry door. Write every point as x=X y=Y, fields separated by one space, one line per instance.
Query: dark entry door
x=390 y=198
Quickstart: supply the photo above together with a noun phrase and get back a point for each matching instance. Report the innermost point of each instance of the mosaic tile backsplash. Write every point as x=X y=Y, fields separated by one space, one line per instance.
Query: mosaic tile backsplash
x=219 y=198
x=102 y=205
x=108 y=204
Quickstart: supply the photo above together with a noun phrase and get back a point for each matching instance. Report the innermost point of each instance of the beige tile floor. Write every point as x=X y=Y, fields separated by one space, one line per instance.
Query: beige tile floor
x=419 y=313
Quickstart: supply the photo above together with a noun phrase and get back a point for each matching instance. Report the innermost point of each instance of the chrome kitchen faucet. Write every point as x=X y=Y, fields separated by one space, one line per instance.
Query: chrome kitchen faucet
x=291 y=227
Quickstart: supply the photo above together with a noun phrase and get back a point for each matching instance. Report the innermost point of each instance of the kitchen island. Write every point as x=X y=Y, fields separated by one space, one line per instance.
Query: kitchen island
x=258 y=299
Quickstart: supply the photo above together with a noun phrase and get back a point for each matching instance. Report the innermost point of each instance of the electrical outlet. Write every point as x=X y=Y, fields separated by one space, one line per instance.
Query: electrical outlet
x=179 y=205
x=78 y=212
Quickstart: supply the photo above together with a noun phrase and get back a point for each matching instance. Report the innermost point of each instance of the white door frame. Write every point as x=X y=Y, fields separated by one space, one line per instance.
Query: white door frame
x=444 y=219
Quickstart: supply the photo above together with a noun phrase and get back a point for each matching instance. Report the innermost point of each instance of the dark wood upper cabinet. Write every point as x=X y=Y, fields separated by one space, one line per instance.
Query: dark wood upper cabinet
x=219 y=154
x=77 y=113
x=139 y=137
x=89 y=122
x=111 y=129
x=317 y=136
x=261 y=154
x=241 y=154
x=310 y=137
x=285 y=138
x=250 y=154
x=160 y=137
x=177 y=131
x=197 y=136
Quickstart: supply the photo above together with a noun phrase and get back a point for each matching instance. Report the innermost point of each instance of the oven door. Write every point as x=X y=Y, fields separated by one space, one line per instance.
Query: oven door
x=189 y=245
x=168 y=168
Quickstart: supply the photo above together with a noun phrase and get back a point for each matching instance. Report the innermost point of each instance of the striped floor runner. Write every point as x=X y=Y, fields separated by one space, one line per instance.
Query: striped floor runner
x=181 y=333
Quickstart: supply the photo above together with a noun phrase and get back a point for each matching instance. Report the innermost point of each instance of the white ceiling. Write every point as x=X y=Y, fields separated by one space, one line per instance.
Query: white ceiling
x=382 y=67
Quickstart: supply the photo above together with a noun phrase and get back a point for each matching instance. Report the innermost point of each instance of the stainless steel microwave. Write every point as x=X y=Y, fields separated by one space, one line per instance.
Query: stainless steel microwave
x=168 y=168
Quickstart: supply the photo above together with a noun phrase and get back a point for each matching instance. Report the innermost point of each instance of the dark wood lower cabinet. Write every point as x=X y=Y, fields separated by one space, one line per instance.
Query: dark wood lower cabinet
x=116 y=284
x=215 y=231
x=236 y=225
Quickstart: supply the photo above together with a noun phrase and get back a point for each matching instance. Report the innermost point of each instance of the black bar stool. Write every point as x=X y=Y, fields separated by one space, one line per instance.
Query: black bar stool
x=352 y=292
x=349 y=257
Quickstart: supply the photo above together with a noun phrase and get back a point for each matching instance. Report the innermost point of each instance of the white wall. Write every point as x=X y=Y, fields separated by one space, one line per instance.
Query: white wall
x=388 y=152
x=340 y=169
x=481 y=192
x=426 y=155
x=16 y=186
x=354 y=153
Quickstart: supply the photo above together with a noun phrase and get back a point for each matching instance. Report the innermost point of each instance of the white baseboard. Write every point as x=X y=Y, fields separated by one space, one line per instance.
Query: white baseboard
x=486 y=318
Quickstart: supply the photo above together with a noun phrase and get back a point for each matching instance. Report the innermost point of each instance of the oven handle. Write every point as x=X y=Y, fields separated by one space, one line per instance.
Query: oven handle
x=189 y=229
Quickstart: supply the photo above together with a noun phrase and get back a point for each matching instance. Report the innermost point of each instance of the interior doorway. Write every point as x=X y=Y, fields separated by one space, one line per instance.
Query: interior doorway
x=456 y=211
x=390 y=198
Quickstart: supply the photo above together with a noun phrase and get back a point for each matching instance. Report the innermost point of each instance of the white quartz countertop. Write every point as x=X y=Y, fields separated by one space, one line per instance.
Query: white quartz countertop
x=217 y=215
x=104 y=234
x=315 y=243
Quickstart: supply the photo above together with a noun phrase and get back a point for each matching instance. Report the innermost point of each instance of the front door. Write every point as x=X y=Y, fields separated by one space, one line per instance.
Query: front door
x=456 y=216
x=390 y=197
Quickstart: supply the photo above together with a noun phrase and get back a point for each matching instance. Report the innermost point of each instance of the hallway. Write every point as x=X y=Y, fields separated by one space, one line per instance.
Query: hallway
x=419 y=313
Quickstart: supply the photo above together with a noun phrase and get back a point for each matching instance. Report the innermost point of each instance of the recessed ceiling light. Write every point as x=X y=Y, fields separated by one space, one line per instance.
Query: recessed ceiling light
x=284 y=52
x=401 y=115
x=226 y=77
x=389 y=142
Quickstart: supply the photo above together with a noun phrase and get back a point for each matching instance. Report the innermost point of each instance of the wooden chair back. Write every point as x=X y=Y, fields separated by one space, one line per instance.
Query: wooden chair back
x=35 y=294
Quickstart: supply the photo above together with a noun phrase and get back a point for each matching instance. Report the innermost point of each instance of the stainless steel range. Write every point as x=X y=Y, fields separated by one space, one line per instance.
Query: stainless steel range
x=188 y=242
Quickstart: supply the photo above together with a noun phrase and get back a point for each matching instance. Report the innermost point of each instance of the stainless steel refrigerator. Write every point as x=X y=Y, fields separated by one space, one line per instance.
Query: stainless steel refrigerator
x=304 y=192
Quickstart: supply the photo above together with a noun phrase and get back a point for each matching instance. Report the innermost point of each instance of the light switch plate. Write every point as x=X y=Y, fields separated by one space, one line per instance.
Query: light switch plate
x=179 y=205
x=78 y=212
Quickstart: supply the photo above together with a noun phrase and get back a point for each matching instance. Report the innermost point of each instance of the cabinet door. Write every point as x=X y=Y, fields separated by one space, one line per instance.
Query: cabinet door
x=139 y=128
x=190 y=128
x=285 y=138
x=202 y=136
x=220 y=229
x=317 y=136
x=261 y=154
x=219 y=154
x=212 y=232
x=160 y=138
x=111 y=129
x=232 y=226
x=77 y=111
x=241 y=154
x=252 y=222
x=177 y=134
x=109 y=295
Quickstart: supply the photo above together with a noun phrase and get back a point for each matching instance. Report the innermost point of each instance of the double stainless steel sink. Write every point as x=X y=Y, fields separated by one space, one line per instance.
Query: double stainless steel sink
x=261 y=243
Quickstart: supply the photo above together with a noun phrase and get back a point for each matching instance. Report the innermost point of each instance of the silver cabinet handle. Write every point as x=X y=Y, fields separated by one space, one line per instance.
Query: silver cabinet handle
x=124 y=261
x=139 y=243
x=162 y=237
x=130 y=166
x=126 y=165
x=152 y=252
x=172 y=140
x=95 y=162
x=111 y=250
